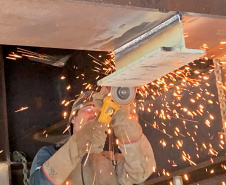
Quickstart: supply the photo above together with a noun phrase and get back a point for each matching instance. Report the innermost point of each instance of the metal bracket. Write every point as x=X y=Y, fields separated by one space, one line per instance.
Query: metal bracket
x=155 y=53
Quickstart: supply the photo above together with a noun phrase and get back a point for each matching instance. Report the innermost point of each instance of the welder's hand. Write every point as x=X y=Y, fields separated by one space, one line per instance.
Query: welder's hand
x=126 y=126
x=99 y=96
x=90 y=137
x=58 y=167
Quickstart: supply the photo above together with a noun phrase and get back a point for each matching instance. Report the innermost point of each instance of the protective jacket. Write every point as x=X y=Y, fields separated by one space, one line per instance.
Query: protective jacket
x=132 y=166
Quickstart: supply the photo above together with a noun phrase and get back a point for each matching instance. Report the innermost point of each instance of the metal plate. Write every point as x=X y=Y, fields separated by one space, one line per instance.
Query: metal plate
x=105 y=25
x=208 y=32
x=151 y=67
x=73 y=24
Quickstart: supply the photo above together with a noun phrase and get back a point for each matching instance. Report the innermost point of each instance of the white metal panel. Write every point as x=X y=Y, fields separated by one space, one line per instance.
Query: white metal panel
x=150 y=67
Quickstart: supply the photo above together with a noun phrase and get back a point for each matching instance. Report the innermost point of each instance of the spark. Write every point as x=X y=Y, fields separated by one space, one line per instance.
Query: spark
x=66 y=129
x=109 y=131
x=174 y=164
x=211 y=116
x=223 y=42
x=117 y=142
x=63 y=102
x=212 y=171
x=187 y=157
x=210 y=101
x=207 y=122
x=15 y=55
x=11 y=58
x=204 y=47
x=179 y=143
x=213 y=152
x=204 y=145
x=163 y=142
x=177 y=129
x=65 y=114
x=21 y=109
x=223 y=166
x=68 y=87
x=81 y=121
x=186 y=35
x=88 y=86
x=185 y=119
x=186 y=177
x=97 y=63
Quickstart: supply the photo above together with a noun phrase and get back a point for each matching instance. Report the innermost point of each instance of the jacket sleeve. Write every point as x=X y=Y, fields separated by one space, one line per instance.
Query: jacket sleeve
x=136 y=162
x=37 y=177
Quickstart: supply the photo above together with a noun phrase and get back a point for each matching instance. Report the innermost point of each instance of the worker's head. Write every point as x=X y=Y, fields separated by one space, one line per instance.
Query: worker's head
x=83 y=111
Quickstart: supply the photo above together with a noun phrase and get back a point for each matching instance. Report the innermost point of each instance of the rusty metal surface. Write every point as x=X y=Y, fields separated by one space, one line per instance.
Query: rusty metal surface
x=72 y=25
x=196 y=6
x=106 y=25
x=206 y=32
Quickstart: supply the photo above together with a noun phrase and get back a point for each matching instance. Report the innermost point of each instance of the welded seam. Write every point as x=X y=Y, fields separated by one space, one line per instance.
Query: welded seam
x=149 y=33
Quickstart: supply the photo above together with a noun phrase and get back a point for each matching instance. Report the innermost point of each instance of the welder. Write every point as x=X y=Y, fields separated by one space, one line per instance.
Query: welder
x=82 y=160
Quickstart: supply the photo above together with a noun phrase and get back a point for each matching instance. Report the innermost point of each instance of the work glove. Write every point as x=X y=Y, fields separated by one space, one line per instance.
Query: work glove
x=124 y=122
x=90 y=138
x=126 y=126
x=99 y=96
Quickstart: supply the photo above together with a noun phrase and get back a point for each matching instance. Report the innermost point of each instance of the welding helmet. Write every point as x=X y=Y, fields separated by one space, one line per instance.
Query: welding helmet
x=85 y=99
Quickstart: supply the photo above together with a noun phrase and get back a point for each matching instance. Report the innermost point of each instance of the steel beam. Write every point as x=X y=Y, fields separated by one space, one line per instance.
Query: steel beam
x=158 y=52
x=220 y=72
x=207 y=7
x=106 y=25
x=4 y=140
